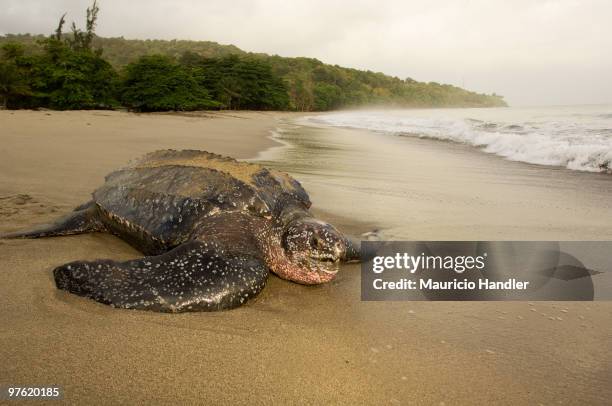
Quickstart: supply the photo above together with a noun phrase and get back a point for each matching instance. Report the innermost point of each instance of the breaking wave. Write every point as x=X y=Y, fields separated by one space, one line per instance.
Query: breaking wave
x=583 y=143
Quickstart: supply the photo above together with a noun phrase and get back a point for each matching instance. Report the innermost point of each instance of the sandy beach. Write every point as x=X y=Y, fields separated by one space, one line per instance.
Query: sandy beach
x=296 y=344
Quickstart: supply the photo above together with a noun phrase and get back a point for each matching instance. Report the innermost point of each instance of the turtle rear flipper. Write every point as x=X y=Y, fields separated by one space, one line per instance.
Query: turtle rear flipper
x=195 y=276
x=83 y=220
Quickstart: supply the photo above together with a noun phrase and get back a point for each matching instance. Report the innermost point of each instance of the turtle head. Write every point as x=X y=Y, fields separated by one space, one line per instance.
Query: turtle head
x=315 y=248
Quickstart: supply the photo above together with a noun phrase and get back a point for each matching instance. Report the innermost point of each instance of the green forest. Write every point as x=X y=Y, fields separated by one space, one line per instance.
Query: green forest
x=76 y=69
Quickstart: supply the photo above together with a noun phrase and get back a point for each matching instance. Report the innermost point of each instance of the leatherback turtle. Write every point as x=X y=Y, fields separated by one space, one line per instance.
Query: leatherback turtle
x=211 y=227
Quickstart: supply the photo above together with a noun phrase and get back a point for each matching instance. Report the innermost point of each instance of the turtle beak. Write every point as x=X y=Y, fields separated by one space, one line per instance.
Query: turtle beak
x=327 y=272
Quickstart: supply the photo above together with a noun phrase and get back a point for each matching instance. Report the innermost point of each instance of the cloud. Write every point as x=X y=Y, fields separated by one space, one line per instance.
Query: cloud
x=533 y=52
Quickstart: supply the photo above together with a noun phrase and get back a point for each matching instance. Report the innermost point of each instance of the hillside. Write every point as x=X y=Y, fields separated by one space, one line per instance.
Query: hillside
x=310 y=84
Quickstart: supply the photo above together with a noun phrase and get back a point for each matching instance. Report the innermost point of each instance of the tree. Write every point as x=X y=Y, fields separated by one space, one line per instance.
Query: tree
x=60 y=26
x=82 y=40
x=12 y=82
x=67 y=74
x=12 y=50
x=60 y=78
x=158 y=83
x=81 y=80
x=239 y=82
x=64 y=71
x=327 y=97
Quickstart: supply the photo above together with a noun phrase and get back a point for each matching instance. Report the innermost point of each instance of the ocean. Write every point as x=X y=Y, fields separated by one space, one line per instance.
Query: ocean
x=456 y=174
x=574 y=137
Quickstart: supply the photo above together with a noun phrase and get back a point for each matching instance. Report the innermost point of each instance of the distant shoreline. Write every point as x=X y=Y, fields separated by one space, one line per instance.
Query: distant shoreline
x=216 y=76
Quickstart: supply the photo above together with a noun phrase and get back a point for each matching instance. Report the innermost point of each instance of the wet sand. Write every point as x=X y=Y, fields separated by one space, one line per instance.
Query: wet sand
x=424 y=189
x=293 y=344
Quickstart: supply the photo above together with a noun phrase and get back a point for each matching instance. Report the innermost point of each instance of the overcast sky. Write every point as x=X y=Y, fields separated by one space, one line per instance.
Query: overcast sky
x=531 y=51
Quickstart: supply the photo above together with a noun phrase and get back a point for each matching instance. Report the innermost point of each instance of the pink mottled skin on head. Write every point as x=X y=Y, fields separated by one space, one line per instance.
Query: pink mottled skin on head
x=296 y=269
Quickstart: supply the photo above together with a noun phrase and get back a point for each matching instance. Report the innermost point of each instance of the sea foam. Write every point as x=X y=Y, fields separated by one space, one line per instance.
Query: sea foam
x=575 y=141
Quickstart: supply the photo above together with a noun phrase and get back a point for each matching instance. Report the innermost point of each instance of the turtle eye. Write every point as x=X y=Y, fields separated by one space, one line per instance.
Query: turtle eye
x=318 y=242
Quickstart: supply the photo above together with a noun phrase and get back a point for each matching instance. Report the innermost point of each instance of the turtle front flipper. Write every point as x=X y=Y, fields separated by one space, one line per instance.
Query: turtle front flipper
x=195 y=276
x=84 y=219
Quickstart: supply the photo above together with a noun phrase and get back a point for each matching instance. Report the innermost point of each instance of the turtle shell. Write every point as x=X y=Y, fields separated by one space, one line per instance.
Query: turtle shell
x=156 y=202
